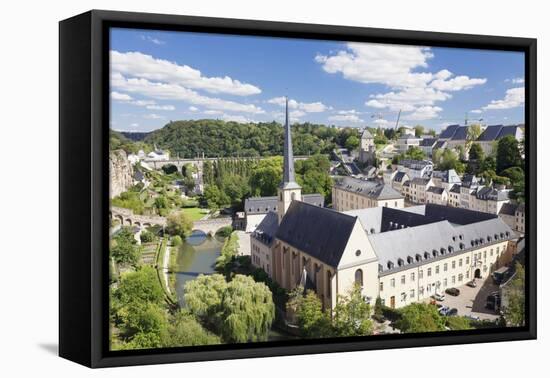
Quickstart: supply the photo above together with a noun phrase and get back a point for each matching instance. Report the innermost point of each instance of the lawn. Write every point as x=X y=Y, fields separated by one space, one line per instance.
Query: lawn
x=195 y=213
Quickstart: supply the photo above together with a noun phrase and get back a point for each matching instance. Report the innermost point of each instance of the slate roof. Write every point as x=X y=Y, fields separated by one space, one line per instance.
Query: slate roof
x=428 y=142
x=399 y=176
x=461 y=133
x=491 y=194
x=469 y=180
x=490 y=133
x=448 y=132
x=508 y=209
x=138 y=175
x=440 y=144
x=265 y=231
x=496 y=132
x=420 y=181
x=521 y=208
x=436 y=190
x=371 y=189
x=262 y=205
x=415 y=164
x=455 y=188
x=320 y=232
x=449 y=176
x=403 y=248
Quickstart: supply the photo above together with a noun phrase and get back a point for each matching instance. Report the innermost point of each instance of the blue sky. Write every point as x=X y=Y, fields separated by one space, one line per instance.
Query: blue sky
x=162 y=76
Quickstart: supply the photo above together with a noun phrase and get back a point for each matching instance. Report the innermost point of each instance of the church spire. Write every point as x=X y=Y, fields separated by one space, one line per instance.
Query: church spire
x=288 y=168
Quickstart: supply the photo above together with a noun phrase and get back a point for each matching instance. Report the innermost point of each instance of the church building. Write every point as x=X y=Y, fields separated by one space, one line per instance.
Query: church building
x=400 y=255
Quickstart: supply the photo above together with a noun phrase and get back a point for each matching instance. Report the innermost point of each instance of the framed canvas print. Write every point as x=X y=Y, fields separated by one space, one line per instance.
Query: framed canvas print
x=233 y=188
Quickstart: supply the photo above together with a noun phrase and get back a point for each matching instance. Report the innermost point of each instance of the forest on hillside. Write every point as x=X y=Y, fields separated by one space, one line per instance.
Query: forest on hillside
x=216 y=138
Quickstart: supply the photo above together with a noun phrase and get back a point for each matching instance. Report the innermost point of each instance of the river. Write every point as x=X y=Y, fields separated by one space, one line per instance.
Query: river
x=196 y=255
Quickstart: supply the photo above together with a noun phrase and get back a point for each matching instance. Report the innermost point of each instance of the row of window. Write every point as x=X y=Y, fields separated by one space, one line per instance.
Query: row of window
x=428 y=289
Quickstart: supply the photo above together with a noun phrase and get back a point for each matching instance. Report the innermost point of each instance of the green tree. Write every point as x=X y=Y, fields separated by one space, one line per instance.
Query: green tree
x=515 y=174
x=352 y=314
x=514 y=309
x=448 y=159
x=352 y=142
x=124 y=248
x=312 y=321
x=141 y=286
x=146 y=237
x=149 y=321
x=508 y=154
x=179 y=223
x=185 y=330
x=476 y=152
x=458 y=323
x=474 y=131
x=419 y=130
x=241 y=310
x=415 y=153
x=266 y=177
x=420 y=317
x=176 y=240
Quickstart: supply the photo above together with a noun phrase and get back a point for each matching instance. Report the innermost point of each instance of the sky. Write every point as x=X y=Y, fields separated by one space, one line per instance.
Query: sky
x=158 y=76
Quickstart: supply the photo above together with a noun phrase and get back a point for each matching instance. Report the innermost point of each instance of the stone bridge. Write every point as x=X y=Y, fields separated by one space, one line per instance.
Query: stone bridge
x=128 y=218
x=198 y=162
x=210 y=226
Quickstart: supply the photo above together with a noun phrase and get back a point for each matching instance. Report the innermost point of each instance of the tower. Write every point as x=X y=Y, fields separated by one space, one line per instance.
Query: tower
x=289 y=189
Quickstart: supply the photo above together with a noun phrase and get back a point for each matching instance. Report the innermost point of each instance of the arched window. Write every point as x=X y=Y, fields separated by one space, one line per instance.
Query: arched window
x=359 y=277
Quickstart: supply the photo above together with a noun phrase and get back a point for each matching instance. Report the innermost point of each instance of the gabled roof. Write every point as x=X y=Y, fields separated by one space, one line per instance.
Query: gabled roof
x=461 y=133
x=455 y=188
x=420 y=181
x=265 y=231
x=428 y=142
x=448 y=132
x=508 y=209
x=521 y=208
x=371 y=189
x=320 y=232
x=448 y=176
x=490 y=133
x=509 y=130
x=436 y=190
x=469 y=180
x=440 y=144
x=399 y=176
x=491 y=194
x=263 y=205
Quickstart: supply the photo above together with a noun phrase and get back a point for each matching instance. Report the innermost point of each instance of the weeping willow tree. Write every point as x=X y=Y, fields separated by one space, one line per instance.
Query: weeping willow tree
x=239 y=311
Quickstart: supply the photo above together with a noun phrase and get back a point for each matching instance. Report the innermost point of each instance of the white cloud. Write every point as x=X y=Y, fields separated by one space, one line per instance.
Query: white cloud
x=514 y=97
x=236 y=118
x=296 y=114
x=476 y=111
x=391 y=65
x=381 y=122
x=423 y=113
x=351 y=111
x=345 y=118
x=138 y=65
x=134 y=125
x=311 y=107
x=153 y=116
x=156 y=41
x=117 y=96
x=212 y=112
x=457 y=83
x=164 y=91
x=414 y=90
x=160 y=107
x=515 y=80
x=193 y=109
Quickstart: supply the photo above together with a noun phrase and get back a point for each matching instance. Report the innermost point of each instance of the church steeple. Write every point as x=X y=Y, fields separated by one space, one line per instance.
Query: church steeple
x=288 y=171
x=289 y=189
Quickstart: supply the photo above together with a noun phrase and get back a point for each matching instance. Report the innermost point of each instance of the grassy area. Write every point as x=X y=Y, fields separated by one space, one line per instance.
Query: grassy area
x=195 y=213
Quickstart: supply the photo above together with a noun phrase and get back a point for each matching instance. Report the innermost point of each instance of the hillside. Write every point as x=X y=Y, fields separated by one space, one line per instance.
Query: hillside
x=219 y=138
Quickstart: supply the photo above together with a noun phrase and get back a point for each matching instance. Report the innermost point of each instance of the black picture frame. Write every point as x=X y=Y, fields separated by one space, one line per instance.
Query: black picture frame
x=83 y=181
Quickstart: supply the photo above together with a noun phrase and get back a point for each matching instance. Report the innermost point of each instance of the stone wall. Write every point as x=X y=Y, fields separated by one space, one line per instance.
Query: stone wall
x=120 y=173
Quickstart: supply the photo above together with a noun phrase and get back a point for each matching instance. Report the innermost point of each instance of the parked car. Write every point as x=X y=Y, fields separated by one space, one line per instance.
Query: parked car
x=472 y=317
x=443 y=310
x=439 y=296
x=453 y=291
x=472 y=283
x=452 y=312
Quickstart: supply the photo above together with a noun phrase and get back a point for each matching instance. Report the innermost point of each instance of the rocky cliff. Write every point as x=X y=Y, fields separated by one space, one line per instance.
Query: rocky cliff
x=120 y=172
